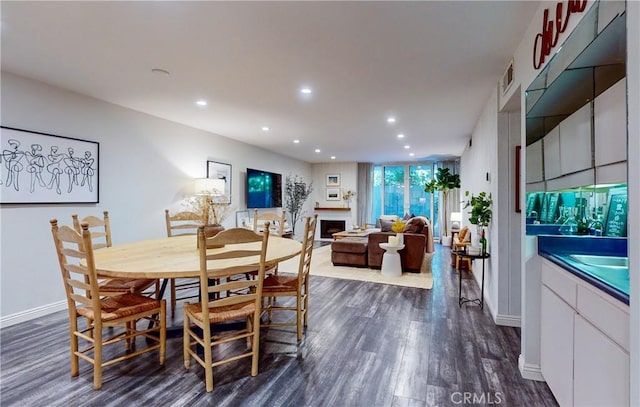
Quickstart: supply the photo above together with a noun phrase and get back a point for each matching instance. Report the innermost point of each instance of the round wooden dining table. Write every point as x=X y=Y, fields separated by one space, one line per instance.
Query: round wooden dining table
x=178 y=257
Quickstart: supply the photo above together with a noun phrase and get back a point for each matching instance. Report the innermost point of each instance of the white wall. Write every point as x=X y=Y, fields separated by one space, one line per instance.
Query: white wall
x=476 y=162
x=348 y=181
x=633 y=134
x=147 y=164
x=524 y=73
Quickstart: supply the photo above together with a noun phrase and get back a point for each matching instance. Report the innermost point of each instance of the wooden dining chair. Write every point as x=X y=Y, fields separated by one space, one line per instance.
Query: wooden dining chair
x=243 y=305
x=276 y=221
x=100 y=238
x=84 y=299
x=181 y=224
x=287 y=285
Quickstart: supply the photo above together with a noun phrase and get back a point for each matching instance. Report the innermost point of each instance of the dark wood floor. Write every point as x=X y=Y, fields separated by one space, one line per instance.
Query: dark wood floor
x=367 y=345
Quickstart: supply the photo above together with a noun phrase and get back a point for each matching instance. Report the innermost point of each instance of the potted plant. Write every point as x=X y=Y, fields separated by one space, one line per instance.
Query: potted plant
x=295 y=195
x=481 y=212
x=444 y=181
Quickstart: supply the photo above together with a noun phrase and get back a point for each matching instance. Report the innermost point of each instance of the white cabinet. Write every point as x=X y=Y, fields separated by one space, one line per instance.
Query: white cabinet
x=556 y=339
x=552 y=154
x=534 y=162
x=610 y=125
x=601 y=369
x=584 y=341
x=575 y=141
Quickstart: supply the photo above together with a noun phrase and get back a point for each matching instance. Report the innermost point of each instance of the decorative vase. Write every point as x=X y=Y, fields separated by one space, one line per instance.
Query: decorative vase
x=212 y=230
x=400 y=237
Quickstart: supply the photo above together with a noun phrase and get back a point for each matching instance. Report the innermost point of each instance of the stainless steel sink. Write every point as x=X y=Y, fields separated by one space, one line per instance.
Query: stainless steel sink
x=602 y=261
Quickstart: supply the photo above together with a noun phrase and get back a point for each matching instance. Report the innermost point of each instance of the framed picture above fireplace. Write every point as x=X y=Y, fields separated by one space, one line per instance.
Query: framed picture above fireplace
x=332 y=194
x=333 y=180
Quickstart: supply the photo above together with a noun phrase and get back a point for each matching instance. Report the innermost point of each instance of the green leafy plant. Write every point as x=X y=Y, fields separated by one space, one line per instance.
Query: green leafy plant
x=480 y=208
x=295 y=195
x=444 y=181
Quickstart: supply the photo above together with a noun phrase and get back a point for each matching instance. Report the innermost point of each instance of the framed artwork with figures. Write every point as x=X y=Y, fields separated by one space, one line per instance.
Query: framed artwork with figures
x=42 y=168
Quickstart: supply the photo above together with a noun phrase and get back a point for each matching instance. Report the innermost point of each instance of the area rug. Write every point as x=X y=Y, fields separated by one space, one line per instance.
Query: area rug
x=321 y=266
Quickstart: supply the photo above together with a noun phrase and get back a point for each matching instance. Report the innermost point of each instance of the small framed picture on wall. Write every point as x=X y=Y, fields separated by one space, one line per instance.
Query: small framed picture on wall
x=333 y=180
x=332 y=194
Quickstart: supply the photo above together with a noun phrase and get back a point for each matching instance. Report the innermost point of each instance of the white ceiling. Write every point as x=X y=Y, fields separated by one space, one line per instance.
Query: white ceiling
x=432 y=65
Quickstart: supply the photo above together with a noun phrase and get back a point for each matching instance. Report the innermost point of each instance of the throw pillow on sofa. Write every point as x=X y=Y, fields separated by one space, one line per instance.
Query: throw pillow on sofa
x=414 y=225
x=385 y=225
x=391 y=218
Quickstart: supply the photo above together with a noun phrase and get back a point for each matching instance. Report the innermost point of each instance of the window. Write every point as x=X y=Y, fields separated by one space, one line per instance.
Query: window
x=401 y=190
x=420 y=201
x=394 y=190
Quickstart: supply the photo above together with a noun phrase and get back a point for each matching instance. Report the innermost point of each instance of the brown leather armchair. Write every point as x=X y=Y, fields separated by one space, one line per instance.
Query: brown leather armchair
x=411 y=256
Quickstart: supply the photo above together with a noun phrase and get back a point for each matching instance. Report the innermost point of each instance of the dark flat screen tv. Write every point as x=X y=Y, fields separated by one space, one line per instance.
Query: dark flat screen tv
x=264 y=189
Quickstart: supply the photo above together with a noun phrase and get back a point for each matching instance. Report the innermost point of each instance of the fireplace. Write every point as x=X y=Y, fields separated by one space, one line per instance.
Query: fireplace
x=329 y=227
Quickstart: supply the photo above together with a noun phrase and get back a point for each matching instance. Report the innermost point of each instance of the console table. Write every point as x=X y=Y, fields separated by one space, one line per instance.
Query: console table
x=462 y=300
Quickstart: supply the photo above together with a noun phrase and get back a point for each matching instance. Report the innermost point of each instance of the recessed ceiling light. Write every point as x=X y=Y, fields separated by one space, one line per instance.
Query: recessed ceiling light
x=160 y=72
x=333 y=157
x=265 y=128
x=317 y=150
x=391 y=119
x=411 y=154
x=305 y=90
x=201 y=102
x=296 y=141
x=407 y=146
x=400 y=135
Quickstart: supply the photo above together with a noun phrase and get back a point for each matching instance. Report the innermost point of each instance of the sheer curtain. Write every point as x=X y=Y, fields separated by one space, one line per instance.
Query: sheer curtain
x=365 y=185
x=453 y=201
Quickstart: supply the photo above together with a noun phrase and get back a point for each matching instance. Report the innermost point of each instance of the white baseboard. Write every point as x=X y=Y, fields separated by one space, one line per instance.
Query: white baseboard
x=528 y=371
x=508 y=320
x=33 y=313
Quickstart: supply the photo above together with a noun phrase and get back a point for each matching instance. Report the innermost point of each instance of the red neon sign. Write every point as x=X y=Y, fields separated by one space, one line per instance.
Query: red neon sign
x=551 y=30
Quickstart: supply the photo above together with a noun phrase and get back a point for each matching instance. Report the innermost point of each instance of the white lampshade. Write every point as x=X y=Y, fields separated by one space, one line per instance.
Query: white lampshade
x=456 y=218
x=209 y=186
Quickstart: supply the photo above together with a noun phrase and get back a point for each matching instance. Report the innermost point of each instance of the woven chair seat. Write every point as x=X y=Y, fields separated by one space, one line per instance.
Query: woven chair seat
x=222 y=314
x=126 y=284
x=280 y=283
x=120 y=306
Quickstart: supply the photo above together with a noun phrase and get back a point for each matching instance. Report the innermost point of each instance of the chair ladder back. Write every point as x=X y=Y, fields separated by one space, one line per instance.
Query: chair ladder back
x=100 y=229
x=182 y=223
x=277 y=222
x=218 y=281
x=77 y=266
x=307 y=248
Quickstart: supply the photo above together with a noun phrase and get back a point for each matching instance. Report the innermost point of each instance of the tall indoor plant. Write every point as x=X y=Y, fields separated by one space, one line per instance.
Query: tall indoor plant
x=295 y=195
x=444 y=182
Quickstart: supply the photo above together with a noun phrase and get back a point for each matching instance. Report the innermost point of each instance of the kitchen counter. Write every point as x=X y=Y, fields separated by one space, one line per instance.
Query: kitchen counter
x=600 y=261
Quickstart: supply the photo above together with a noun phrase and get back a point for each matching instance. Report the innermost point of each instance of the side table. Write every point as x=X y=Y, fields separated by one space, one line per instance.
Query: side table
x=462 y=300
x=391 y=265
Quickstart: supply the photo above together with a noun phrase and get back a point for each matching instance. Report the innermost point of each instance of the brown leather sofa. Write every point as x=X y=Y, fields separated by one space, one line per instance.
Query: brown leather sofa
x=366 y=251
x=411 y=256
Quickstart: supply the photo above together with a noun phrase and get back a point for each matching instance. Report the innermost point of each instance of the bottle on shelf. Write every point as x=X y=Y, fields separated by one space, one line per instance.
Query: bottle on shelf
x=483 y=243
